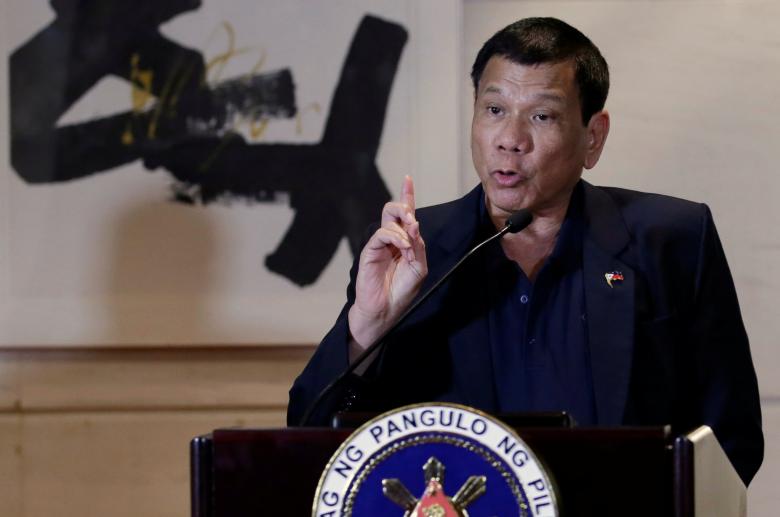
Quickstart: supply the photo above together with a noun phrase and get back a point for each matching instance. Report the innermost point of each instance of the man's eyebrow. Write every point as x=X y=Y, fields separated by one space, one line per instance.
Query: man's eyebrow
x=544 y=96
x=549 y=96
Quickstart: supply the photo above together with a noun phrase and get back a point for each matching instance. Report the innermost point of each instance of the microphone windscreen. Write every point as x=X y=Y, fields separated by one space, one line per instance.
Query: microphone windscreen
x=519 y=220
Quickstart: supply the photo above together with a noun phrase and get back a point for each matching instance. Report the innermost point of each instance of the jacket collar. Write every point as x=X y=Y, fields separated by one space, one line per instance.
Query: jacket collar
x=455 y=229
x=610 y=310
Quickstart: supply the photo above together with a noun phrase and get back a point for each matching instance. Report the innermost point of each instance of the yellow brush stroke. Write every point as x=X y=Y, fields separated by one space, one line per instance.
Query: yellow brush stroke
x=259 y=65
x=314 y=106
x=206 y=165
x=165 y=94
x=256 y=129
x=141 y=84
x=184 y=79
x=140 y=93
x=217 y=63
x=177 y=80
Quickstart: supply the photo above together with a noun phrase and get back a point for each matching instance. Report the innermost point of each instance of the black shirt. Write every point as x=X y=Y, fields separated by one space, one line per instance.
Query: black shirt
x=538 y=330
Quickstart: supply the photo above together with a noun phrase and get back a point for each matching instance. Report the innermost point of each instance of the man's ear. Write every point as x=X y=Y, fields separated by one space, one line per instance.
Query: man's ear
x=597 y=131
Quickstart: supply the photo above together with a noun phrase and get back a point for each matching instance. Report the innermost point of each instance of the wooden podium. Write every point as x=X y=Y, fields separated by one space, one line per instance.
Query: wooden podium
x=599 y=472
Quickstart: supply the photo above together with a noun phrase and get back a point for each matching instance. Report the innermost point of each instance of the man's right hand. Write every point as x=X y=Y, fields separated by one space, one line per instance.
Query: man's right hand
x=391 y=269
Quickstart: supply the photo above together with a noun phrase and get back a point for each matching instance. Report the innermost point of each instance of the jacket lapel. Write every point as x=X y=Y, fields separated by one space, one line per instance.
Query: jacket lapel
x=470 y=344
x=610 y=309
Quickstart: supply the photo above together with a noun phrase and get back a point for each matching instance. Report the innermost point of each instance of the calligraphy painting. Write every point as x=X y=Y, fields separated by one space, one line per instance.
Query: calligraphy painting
x=203 y=171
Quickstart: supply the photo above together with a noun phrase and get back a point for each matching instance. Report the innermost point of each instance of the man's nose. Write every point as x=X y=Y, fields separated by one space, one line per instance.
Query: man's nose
x=515 y=137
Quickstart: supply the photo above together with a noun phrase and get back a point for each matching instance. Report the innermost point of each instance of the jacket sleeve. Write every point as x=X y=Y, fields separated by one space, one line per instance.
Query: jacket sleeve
x=724 y=377
x=330 y=359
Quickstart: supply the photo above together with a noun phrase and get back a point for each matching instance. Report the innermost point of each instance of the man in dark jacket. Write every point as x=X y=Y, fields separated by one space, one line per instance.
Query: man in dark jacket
x=613 y=305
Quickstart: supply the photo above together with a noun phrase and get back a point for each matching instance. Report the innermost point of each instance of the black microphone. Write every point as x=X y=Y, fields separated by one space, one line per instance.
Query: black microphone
x=514 y=223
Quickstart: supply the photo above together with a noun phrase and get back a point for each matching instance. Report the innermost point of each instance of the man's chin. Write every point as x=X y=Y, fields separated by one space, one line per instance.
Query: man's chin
x=506 y=203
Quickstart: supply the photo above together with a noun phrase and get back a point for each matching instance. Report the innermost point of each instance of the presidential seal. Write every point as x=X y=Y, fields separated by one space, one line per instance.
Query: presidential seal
x=434 y=460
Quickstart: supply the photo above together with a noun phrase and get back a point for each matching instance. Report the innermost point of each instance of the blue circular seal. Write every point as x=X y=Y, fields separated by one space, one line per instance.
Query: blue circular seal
x=434 y=460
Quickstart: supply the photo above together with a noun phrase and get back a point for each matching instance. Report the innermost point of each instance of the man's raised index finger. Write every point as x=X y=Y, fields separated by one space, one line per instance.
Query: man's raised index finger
x=407 y=192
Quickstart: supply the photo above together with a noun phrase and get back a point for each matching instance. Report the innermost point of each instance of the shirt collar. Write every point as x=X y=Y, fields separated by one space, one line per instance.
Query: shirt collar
x=567 y=252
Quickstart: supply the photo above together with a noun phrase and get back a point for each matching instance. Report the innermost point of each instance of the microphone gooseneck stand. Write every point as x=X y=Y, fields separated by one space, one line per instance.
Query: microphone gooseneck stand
x=515 y=223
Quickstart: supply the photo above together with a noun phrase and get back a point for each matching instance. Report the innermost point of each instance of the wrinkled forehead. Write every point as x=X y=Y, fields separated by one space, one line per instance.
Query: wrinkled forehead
x=553 y=81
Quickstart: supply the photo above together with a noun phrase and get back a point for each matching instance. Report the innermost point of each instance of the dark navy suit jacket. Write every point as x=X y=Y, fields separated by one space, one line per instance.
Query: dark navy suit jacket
x=667 y=344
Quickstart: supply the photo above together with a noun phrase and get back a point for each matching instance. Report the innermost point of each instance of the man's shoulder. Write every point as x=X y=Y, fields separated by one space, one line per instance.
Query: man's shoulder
x=634 y=205
x=644 y=214
x=451 y=226
x=662 y=237
x=635 y=200
x=645 y=211
x=458 y=216
x=452 y=208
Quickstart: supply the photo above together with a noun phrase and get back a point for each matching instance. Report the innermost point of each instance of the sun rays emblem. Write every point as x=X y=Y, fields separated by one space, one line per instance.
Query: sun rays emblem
x=434 y=502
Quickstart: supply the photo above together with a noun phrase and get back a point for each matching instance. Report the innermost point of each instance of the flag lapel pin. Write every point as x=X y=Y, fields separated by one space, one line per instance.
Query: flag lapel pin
x=613 y=277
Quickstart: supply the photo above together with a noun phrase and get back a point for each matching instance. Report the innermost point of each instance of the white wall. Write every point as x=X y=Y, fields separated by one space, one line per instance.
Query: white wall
x=695 y=114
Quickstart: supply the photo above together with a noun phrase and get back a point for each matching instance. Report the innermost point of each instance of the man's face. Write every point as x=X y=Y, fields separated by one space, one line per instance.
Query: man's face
x=528 y=142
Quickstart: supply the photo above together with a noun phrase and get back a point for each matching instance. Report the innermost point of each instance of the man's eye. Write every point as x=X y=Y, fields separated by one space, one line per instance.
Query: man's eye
x=494 y=110
x=542 y=117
